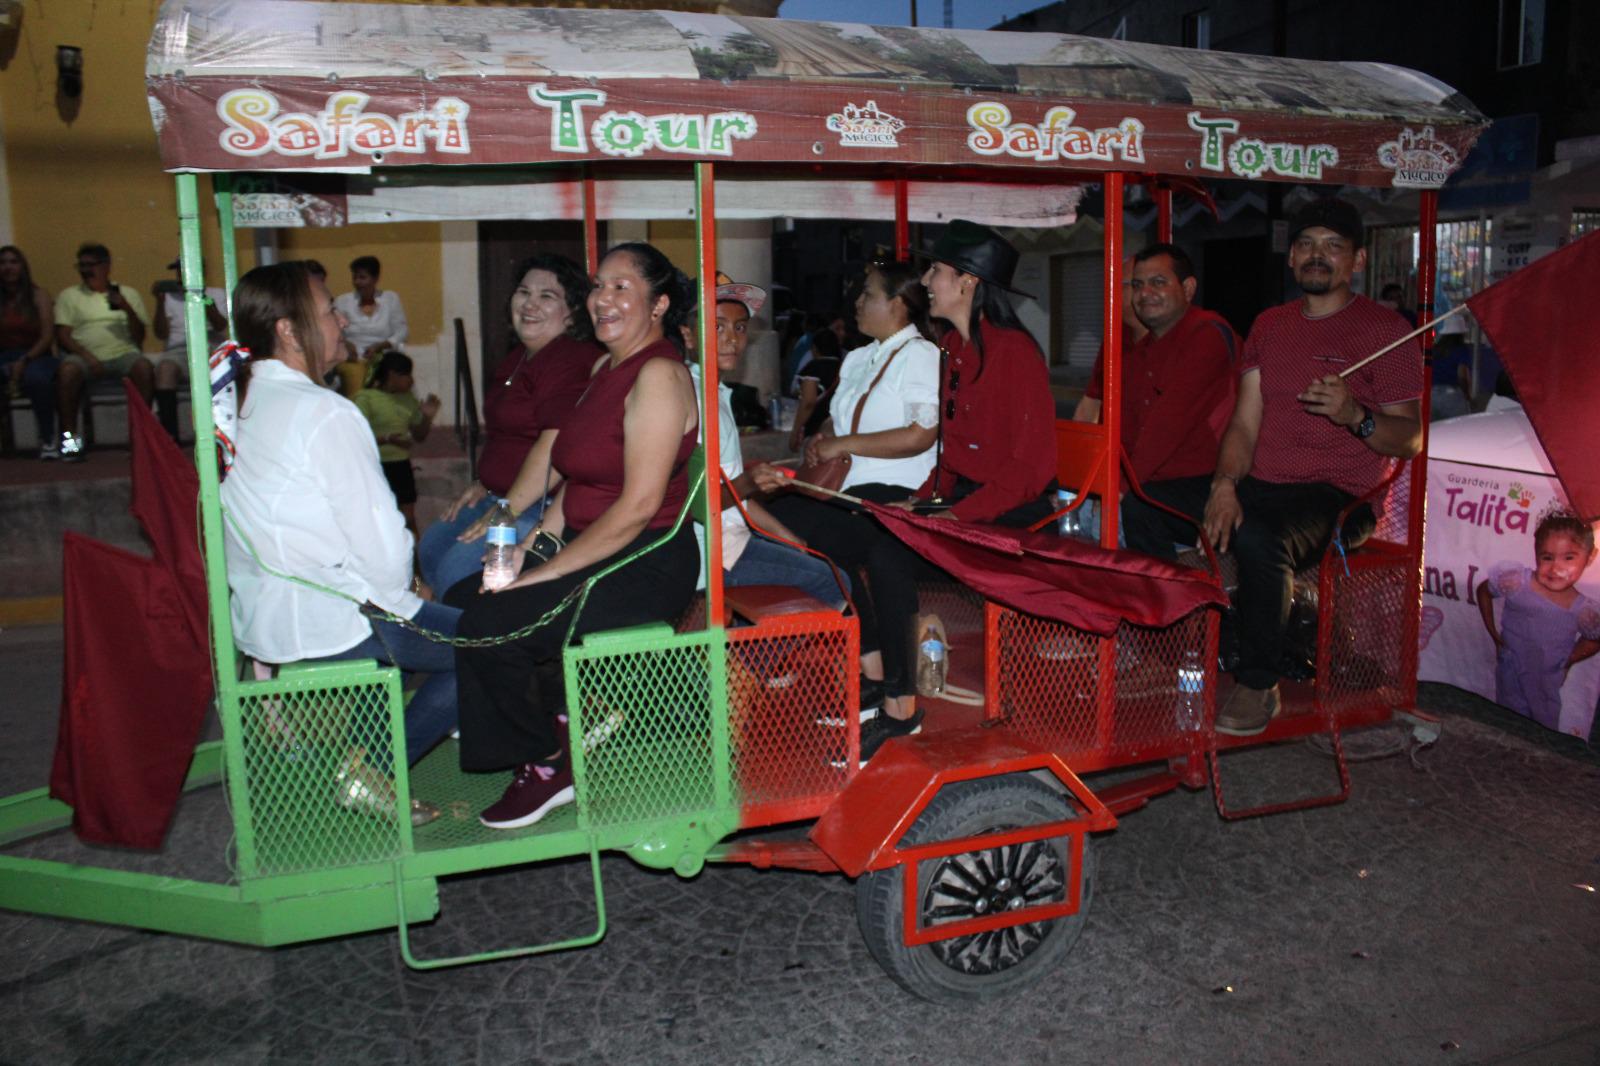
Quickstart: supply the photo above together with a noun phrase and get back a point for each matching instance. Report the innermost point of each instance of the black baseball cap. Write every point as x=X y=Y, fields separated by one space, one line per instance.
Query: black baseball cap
x=1329 y=213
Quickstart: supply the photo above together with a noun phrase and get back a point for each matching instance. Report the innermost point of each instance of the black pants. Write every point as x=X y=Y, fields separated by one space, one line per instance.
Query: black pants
x=511 y=693
x=1286 y=527
x=887 y=600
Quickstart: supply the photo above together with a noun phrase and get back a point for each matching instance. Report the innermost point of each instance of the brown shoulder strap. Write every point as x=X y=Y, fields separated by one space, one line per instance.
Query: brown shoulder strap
x=855 y=421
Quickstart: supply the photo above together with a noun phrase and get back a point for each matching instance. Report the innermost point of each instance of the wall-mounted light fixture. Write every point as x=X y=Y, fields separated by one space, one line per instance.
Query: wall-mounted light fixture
x=69 y=70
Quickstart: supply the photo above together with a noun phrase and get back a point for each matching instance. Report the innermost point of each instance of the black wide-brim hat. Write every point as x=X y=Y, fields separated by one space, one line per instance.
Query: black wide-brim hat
x=979 y=251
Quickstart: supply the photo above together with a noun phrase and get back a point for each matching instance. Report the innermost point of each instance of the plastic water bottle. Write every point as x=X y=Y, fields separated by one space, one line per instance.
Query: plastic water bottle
x=1191 y=691
x=1067 y=524
x=499 y=566
x=931 y=665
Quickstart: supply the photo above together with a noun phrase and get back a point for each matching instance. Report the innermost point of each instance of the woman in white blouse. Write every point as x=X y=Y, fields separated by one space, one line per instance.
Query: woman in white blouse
x=312 y=530
x=892 y=452
x=375 y=322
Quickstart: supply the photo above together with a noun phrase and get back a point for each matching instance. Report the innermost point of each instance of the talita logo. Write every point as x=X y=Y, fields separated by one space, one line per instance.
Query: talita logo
x=1418 y=158
x=865 y=127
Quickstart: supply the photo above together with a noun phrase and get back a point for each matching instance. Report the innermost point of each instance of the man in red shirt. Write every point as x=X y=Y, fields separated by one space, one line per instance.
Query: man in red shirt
x=1178 y=380
x=1302 y=444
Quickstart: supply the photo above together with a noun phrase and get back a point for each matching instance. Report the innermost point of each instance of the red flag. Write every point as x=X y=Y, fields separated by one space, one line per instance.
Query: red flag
x=137 y=676
x=1544 y=332
x=1060 y=578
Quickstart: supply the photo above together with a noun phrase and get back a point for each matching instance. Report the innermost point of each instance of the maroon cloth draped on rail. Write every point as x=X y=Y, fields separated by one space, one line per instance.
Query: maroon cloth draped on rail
x=1544 y=332
x=1060 y=578
x=137 y=675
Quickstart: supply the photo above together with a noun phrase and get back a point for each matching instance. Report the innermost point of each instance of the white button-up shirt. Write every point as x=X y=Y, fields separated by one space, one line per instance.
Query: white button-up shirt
x=308 y=493
x=730 y=455
x=909 y=392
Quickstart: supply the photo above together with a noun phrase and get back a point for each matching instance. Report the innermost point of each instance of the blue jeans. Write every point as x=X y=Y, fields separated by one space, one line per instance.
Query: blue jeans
x=767 y=562
x=39 y=386
x=444 y=560
x=431 y=714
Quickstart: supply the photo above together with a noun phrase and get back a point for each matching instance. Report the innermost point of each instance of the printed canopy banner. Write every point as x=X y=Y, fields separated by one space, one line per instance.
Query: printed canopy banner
x=236 y=85
x=1489 y=484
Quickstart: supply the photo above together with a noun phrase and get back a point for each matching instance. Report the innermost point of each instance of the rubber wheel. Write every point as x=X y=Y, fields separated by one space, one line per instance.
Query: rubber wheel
x=971 y=884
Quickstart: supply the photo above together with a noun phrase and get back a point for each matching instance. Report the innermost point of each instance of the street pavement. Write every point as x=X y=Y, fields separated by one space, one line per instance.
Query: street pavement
x=1445 y=914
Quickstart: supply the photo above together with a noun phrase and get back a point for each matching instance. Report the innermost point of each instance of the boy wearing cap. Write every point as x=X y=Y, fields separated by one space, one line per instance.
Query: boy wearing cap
x=1303 y=443
x=747 y=557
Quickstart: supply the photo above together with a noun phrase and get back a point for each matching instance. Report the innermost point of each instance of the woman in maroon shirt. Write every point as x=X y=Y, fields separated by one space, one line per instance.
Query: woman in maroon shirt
x=620 y=464
x=27 y=354
x=997 y=453
x=529 y=392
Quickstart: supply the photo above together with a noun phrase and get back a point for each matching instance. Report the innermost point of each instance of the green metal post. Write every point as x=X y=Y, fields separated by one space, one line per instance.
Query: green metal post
x=225 y=662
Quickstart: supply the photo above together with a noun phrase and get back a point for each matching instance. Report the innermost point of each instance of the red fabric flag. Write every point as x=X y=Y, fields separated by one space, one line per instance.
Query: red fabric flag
x=1545 y=337
x=137 y=674
x=1060 y=578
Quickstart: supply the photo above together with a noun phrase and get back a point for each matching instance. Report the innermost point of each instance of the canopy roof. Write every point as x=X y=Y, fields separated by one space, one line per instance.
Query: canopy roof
x=291 y=85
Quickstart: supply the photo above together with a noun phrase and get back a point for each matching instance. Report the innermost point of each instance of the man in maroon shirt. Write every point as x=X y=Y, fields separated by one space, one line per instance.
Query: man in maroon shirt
x=1178 y=379
x=1302 y=444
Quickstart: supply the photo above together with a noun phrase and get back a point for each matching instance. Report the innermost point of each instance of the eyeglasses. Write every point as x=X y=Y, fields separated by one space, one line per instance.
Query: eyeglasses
x=89 y=264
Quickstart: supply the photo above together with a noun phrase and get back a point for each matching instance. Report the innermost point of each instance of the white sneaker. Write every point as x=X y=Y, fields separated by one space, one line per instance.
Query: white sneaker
x=71 y=448
x=49 y=452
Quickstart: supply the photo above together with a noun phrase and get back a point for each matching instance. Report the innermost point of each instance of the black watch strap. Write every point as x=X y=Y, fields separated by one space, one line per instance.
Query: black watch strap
x=1367 y=426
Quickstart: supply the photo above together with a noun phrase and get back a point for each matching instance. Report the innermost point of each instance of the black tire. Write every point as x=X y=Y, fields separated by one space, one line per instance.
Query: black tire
x=985 y=965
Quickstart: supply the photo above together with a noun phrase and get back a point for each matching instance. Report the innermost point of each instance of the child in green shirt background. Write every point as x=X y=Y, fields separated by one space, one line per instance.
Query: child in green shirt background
x=398 y=421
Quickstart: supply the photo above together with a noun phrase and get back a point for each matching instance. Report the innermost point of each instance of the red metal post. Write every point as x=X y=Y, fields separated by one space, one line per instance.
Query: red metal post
x=1111 y=419
x=902 y=222
x=591 y=225
x=1416 y=519
x=1111 y=388
x=706 y=235
x=1163 y=197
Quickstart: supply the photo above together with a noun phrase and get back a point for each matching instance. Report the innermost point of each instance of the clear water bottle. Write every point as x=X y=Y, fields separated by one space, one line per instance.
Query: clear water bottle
x=1191 y=691
x=1067 y=525
x=932 y=667
x=499 y=563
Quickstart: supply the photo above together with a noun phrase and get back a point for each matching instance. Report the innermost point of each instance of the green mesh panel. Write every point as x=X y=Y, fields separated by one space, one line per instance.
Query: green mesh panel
x=297 y=734
x=644 y=710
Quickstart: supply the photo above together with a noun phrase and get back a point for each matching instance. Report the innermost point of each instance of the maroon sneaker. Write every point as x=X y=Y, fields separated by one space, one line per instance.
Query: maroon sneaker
x=536 y=789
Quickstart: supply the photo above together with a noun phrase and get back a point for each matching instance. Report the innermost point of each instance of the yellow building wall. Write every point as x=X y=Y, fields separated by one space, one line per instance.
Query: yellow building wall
x=89 y=171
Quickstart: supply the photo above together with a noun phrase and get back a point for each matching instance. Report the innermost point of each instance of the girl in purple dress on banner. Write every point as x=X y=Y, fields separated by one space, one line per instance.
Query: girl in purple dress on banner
x=1546 y=624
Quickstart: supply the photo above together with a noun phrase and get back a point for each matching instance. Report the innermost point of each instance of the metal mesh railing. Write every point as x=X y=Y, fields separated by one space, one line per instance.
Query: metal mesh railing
x=299 y=737
x=1050 y=692
x=644 y=709
x=792 y=707
x=1364 y=661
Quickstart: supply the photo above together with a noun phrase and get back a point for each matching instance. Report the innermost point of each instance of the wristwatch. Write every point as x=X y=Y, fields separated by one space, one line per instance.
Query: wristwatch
x=1367 y=426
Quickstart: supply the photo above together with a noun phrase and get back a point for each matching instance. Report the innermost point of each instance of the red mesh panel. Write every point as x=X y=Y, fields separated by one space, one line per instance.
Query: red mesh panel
x=1394 y=522
x=1362 y=658
x=793 y=698
x=1048 y=677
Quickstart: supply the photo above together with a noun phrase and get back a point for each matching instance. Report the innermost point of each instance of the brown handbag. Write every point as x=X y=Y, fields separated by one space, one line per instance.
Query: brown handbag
x=830 y=473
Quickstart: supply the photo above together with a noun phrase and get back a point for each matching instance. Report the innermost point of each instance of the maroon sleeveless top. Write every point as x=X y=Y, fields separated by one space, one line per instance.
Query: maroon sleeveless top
x=589 y=449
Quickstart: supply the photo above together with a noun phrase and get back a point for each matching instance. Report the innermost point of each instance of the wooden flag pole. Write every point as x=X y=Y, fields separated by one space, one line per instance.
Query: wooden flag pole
x=1419 y=331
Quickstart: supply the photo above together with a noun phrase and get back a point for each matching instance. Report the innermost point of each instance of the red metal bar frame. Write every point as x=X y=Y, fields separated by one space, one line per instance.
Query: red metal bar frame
x=1111 y=419
x=1163 y=197
x=1416 y=520
x=591 y=225
x=902 y=221
x=706 y=231
x=918 y=934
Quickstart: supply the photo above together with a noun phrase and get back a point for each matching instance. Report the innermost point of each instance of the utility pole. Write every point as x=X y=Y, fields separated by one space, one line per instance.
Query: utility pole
x=913 y=12
x=949 y=14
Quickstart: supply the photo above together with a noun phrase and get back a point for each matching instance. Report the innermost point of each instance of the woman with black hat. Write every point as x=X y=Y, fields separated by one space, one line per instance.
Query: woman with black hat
x=997 y=456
